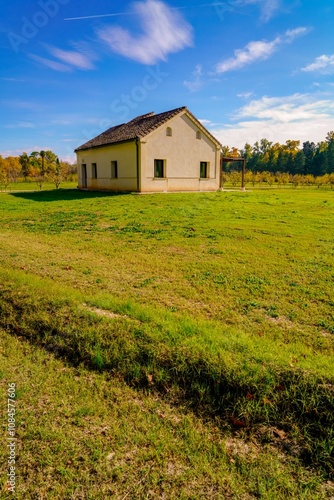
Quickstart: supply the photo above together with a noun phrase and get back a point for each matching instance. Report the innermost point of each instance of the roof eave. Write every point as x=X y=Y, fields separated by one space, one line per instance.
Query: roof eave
x=106 y=144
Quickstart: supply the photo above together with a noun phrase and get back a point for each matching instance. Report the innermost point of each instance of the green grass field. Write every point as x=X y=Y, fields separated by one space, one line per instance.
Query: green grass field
x=31 y=185
x=195 y=329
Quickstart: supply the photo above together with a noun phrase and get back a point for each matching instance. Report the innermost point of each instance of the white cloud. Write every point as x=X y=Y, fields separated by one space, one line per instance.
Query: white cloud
x=21 y=125
x=13 y=152
x=245 y=95
x=69 y=158
x=56 y=66
x=61 y=122
x=286 y=109
x=322 y=64
x=24 y=105
x=5 y=79
x=258 y=51
x=164 y=32
x=197 y=82
x=300 y=116
x=208 y=123
x=268 y=7
x=81 y=59
x=68 y=60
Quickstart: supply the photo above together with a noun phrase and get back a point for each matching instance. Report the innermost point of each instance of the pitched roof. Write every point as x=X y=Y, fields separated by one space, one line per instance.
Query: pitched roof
x=137 y=128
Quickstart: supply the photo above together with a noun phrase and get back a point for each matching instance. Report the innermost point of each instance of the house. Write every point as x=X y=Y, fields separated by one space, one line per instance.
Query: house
x=165 y=152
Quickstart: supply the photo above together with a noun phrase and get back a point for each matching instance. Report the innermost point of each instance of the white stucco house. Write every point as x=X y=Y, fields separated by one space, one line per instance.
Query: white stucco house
x=170 y=151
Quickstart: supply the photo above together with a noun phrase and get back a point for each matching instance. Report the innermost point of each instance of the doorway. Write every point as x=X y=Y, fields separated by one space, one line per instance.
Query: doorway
x=84 y=175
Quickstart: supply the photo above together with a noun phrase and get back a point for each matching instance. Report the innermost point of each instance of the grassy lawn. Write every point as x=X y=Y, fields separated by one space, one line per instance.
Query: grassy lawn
x=214 y=310
x=32 y=186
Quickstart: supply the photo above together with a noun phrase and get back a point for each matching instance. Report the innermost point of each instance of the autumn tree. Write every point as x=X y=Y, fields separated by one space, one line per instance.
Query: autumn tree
x=10 y=169
x=235 y=178
x=268 y=177
x=43 y=161
x=57 y=176
x=331 y=180
x=13 y=166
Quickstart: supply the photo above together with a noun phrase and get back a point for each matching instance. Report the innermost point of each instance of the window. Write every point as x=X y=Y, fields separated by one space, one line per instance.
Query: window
x=203 y=169
x=159 y=168
x=198 y=135
x=169 y=132
x=94 y=171
x=114 y=173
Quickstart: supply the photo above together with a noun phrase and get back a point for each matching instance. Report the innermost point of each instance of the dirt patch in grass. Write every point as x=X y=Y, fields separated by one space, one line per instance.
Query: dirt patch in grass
x=103 y=312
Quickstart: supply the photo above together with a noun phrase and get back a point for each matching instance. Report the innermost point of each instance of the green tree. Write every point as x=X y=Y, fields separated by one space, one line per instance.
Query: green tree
x=282 y=160
x=271 y=160
x=224 y=151
x=330 y=152
x=25 y=165
x=50 y=161
x=42 y=155
x=299 y=163
x=44 y=161
x=309 y=152
x=247 y=151
x=320 y=159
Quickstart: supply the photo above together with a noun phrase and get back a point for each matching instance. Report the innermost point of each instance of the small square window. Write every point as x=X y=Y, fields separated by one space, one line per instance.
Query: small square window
x=203 y=169
x=198 y=135
x=169 y=132
x=159 y=168
x=94 y=171
x=114 y=171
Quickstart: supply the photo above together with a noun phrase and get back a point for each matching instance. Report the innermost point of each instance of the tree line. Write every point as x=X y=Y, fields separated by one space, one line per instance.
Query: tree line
x=279 y=179
x=38 y=166
x=289 y=158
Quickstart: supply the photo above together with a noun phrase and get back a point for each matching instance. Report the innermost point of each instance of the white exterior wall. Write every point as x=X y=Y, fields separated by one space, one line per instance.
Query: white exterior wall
x=182 y=153
x=126 y=156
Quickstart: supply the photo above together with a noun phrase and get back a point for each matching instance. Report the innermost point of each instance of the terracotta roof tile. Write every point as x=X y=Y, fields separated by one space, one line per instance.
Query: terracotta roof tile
x=137 y=128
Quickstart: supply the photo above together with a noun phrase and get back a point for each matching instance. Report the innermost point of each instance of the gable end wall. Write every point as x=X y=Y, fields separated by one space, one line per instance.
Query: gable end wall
x=182 y=153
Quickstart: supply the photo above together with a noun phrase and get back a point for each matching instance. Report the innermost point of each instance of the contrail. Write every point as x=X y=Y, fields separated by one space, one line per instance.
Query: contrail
x=100 y=15
x=129 y=13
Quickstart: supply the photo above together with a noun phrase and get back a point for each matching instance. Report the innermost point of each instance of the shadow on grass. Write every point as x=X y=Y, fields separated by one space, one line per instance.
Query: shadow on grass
x=65 y=194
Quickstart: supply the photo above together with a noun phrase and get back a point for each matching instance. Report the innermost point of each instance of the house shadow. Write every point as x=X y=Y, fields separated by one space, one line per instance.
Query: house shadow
x=65 y=195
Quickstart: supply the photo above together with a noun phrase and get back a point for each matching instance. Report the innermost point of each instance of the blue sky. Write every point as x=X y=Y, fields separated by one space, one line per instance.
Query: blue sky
x=247 y=69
